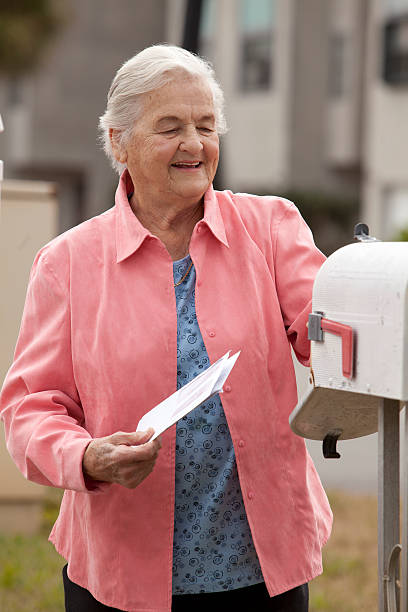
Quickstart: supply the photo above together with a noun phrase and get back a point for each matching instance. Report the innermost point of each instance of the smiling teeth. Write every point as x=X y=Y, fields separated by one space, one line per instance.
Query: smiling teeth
x=191 y=164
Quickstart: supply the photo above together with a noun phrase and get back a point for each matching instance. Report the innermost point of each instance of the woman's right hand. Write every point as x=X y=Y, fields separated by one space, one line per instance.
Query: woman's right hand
x=124 y=458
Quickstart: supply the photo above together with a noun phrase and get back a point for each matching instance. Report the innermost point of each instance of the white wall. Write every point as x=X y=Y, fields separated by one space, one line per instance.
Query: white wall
x=343 y=131
x=28 y=221
x=386 y=133
x=256 y=148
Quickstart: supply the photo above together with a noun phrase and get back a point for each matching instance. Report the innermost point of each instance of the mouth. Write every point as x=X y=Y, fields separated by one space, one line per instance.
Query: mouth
x=187 y=165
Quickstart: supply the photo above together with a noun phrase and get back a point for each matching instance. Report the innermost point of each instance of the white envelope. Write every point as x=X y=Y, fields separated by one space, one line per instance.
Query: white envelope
x=185 y=399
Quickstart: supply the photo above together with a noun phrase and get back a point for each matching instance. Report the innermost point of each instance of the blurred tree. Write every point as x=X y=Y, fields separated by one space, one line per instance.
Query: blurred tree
x=26 y=27
x=331 y=218
x=402 y=236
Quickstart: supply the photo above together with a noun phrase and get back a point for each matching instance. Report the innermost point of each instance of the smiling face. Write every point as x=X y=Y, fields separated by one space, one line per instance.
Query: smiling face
x=172 y=154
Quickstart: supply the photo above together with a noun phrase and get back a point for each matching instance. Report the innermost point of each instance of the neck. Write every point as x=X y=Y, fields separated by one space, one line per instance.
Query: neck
x=173 y=223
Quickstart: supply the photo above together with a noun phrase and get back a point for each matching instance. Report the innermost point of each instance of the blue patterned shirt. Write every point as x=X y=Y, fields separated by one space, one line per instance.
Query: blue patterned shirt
x=213 y=548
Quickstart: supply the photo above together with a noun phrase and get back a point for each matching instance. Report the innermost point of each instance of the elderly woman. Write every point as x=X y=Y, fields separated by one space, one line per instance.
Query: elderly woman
x=121 y=310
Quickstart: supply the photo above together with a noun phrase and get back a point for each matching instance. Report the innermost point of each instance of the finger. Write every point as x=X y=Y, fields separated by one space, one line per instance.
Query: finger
x=141 y=437
x=149 y=433
x=131 y=472
x=148 y=450
x=131 y=479
x=133 y=438
x=133 y=455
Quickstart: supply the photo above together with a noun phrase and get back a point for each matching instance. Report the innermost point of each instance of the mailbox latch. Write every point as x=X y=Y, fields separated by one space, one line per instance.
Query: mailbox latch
x=318 y=324
x=329 y=444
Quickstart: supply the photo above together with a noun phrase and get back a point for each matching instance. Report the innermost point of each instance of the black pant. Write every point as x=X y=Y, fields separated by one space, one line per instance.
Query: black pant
x=78 y=599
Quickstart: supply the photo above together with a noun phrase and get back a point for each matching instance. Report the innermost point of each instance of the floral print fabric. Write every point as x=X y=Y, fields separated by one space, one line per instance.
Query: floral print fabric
x=213 y=548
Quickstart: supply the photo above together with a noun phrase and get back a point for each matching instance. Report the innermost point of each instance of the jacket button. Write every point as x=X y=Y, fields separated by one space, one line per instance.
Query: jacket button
x=250 y=495
x=241 y=443
x=211 y=334
x=227 y=388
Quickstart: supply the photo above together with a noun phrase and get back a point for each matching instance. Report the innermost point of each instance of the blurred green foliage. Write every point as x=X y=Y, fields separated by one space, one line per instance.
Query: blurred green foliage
x=331 y=218
x=50 y=509
x=26 y=27
x=30 y=569
x=402 y=236
x=30 y=575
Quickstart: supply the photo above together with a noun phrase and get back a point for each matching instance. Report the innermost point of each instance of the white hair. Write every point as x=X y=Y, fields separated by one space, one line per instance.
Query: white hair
x=148 y=70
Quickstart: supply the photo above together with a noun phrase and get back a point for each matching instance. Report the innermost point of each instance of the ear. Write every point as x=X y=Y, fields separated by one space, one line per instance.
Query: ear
x=118 y=151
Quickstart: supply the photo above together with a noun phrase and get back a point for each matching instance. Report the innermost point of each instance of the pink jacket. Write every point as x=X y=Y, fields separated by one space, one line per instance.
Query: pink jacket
x=97 y=350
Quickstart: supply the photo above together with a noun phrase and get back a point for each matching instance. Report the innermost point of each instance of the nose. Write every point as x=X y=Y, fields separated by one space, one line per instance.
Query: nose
x=191 y=141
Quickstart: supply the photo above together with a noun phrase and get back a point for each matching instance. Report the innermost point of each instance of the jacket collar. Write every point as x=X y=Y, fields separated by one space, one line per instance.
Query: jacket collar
x=130 y=233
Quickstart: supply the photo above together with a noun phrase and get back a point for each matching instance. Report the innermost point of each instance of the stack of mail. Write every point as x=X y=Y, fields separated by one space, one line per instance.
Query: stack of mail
x=185 y=399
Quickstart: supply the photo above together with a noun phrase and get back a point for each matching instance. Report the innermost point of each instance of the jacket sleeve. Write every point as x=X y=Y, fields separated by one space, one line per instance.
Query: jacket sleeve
x=297 y=261
x=39 y=402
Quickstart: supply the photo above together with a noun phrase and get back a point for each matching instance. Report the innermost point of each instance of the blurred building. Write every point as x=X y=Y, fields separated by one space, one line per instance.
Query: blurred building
x=317 y=99
x=51 y=119
x=385 y=118
x=51 y=115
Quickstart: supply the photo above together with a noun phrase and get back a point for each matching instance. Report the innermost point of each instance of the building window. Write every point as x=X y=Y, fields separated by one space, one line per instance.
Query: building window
x=337 y=65
x=395 y=66
x=393 y=8
x=256 y=20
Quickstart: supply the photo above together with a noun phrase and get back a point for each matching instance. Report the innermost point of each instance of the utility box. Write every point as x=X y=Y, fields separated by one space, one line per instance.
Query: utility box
x=28 y=216
x=359 y=340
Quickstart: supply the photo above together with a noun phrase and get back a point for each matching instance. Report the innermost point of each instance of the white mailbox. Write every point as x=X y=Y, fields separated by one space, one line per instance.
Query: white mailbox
x=359 y=340
x=358 y=381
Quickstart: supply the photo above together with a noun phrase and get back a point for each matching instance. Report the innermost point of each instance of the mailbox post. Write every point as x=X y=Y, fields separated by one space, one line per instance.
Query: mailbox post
x=359 y=381
x=388 y=505
x=404 y=539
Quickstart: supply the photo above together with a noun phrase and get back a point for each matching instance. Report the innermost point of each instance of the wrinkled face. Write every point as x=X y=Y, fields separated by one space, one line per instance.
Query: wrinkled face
x=174 y=148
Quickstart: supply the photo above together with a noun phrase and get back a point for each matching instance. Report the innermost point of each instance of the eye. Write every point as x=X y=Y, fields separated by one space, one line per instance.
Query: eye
x=172 y=131
x=205 y=130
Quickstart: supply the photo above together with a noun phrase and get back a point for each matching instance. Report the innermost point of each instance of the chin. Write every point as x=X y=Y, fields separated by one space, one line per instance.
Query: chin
x=193 y=191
